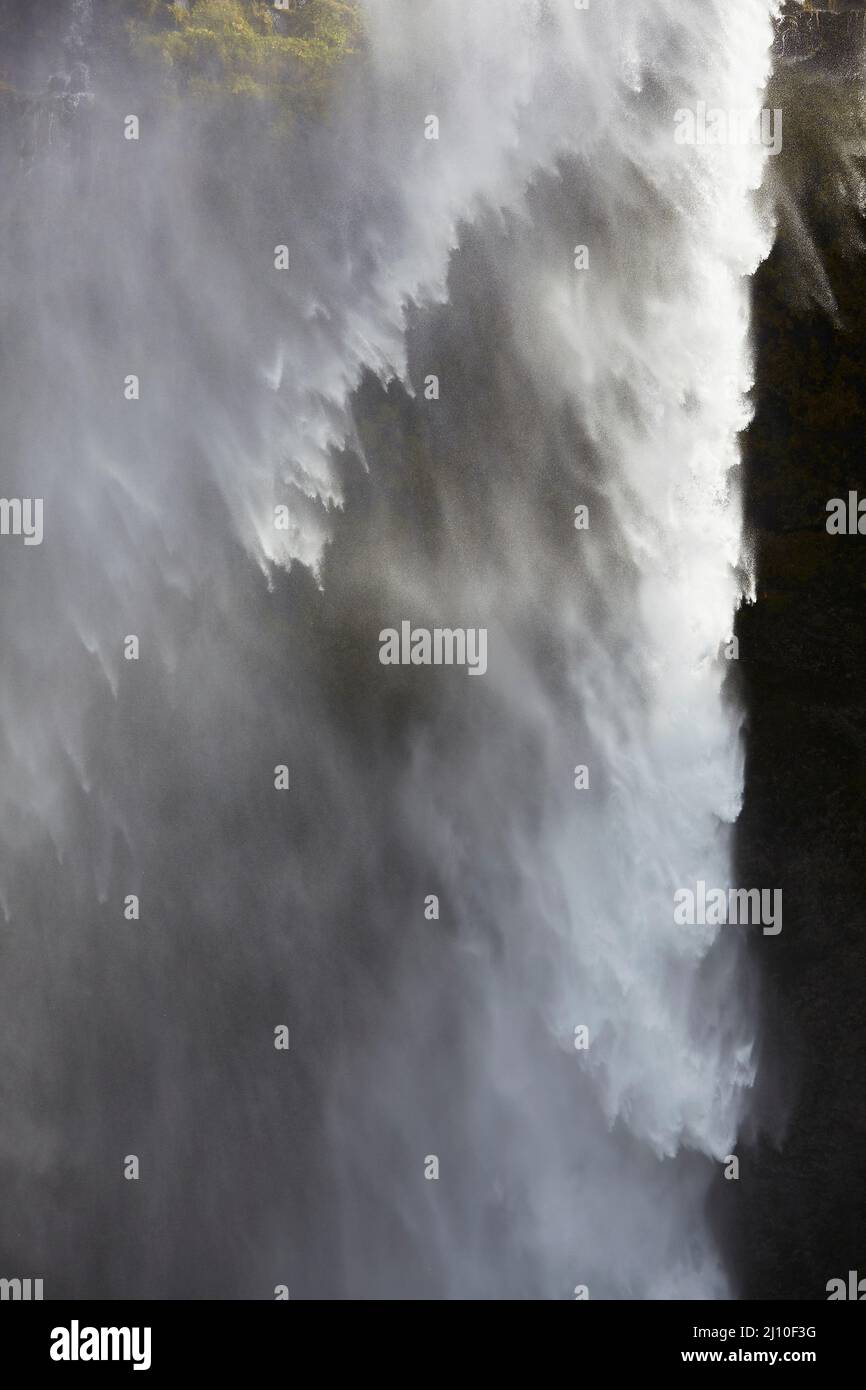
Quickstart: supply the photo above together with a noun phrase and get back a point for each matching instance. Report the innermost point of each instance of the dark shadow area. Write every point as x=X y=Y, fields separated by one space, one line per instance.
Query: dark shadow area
x=797 y=1217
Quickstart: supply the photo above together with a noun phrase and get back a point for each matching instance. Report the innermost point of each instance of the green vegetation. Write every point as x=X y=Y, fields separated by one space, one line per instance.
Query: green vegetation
x=244 y=51
x=247 y=48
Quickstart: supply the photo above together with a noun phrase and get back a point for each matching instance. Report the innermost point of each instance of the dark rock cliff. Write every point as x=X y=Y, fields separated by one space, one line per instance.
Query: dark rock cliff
x=797 y=1217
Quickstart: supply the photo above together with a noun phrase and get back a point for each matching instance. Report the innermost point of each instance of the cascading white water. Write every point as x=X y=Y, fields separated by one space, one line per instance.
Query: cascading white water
x=621 y=386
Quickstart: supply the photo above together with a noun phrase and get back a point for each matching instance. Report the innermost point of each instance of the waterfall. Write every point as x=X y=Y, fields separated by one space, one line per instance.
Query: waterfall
x=495 y=198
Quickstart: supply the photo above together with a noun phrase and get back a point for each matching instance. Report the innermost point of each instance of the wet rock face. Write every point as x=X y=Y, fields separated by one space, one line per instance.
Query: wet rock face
x=821 y=8
x=803 y=667
x=828 y=32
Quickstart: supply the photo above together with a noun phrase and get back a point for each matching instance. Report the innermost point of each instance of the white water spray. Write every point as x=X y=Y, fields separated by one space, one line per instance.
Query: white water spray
x=621 y=386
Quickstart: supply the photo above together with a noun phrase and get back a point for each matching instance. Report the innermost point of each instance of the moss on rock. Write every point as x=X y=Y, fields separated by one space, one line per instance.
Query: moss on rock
x=246 y=48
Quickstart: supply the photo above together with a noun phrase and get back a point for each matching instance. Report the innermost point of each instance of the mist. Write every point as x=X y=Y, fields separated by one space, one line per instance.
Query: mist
x=620 y=386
